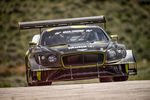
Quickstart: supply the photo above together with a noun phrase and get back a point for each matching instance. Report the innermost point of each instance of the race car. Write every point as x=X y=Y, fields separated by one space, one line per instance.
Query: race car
x=72 y=49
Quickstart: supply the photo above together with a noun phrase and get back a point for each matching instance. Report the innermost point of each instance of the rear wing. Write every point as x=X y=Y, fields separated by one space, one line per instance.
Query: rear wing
x=62 y=22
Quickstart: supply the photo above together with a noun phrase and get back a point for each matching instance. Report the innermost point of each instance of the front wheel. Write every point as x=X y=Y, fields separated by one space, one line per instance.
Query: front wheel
x=28 y=73
x=32 y=80
x=43 y=84
x=106 y=79
x=120 y=78
x=28 y=76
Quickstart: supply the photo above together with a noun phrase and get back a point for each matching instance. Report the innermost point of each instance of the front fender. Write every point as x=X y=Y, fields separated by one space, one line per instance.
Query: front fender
x=34 y=66
x=130 y=58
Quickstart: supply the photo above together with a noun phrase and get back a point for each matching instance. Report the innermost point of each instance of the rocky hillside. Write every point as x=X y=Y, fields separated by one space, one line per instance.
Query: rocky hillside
x=127 y=18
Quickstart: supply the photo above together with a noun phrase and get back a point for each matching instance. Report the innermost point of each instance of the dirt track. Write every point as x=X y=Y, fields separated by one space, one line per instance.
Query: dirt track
x=129 y=90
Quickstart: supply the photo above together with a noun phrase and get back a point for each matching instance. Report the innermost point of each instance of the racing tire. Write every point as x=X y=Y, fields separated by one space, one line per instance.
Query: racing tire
x=29 y=79
x=120 y=78
x=45 y=83
x=27 y=72
x=106 y=79
x=28 y=76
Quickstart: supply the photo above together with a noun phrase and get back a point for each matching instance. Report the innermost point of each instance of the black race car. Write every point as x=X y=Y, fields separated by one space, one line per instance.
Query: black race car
x=70 y=49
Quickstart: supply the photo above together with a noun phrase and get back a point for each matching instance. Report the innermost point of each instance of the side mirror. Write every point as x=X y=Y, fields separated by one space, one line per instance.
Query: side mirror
x=32 y=43
x=114 y=37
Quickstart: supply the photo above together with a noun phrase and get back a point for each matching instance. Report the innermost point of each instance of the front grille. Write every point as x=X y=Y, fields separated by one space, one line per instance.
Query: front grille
x=83 y=59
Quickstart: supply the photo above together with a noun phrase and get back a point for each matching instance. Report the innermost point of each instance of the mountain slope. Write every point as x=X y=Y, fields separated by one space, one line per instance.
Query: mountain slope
x=127 y=18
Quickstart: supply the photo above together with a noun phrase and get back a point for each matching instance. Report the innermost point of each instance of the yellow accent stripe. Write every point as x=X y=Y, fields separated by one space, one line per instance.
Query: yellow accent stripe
x=113 y=36
x=32 y=42
x=84 y=65
x=48 y=30
x=39 y=75
x=26 y=52
x=28 y=64
x=78 y=26
x=126 y=67
x=30 y=56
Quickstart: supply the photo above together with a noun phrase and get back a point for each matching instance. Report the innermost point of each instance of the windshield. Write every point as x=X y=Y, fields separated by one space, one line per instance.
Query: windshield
x=73 y=35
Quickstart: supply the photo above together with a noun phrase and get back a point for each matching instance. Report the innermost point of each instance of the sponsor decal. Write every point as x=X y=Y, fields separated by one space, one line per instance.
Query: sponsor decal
x=82 y=46
x=81 y=49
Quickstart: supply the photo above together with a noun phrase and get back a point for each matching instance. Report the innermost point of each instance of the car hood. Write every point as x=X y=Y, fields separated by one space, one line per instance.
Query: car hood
x=81 y=47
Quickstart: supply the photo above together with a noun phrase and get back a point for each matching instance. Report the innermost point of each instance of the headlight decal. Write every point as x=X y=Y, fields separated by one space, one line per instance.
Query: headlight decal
x=45 y=59
x=116 y=54
x=52 y=58
x=112 y=54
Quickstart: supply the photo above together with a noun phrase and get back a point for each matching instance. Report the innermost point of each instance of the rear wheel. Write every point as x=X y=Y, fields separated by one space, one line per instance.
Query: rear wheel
x=120 y=78
x=106 y=79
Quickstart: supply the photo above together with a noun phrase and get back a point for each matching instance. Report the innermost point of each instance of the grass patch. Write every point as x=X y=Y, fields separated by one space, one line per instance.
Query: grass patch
x=143 y=74
x=5 y=84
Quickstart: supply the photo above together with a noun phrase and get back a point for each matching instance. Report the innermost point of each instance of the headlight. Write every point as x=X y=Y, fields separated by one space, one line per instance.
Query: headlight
x=122 y=53
x=43 y=57
x=119 y=51
x=52 y=58
x=112 y=54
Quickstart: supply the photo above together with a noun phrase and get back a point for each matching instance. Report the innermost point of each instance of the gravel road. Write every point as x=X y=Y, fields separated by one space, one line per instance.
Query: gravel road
x=129 y=90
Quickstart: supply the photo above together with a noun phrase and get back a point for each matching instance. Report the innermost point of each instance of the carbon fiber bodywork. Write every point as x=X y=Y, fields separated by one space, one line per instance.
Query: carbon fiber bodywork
x=69 y=74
